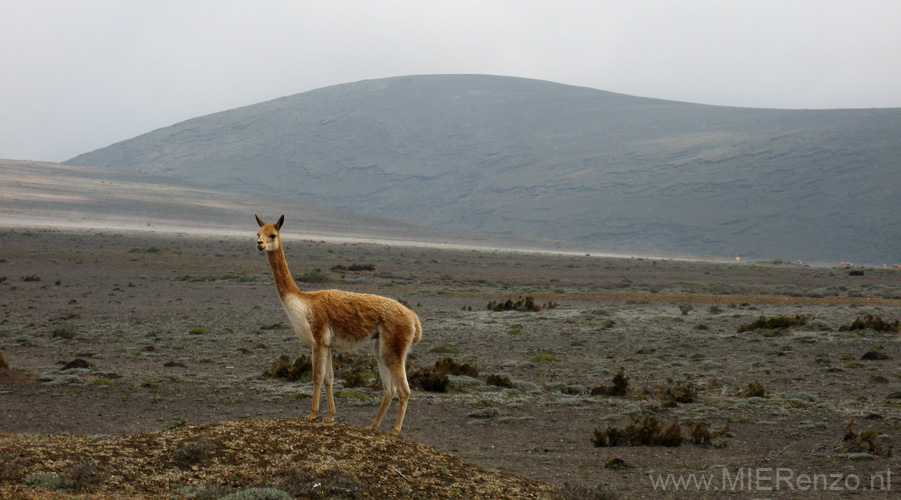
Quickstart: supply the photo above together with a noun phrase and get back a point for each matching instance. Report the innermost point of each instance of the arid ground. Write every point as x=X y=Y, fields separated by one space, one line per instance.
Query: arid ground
x=175 y=333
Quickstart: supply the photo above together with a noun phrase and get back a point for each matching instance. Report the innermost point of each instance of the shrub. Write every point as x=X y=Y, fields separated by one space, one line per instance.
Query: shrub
x=521 y=304
x=864 y=441
x=425 y=379
x=83 y=475
x=671 y=394
x=646 y=431
x=620 y=386
x=778 y=322
x=357 y=370
x=870 y=322
x=450 y=367
x=10 y=467
x=194 y=453
x=286 y=369
x=755 y=390
x=498 y=380
x=701 y=435
x=197 y=330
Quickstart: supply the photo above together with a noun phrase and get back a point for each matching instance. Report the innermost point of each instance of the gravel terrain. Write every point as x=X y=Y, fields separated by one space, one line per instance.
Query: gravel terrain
x=174 y=332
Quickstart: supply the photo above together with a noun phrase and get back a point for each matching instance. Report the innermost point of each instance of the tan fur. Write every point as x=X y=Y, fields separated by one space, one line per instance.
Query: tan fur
x=336 y=320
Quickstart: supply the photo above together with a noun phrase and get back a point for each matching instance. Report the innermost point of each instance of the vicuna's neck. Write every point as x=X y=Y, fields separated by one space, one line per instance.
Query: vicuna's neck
x=283 y=280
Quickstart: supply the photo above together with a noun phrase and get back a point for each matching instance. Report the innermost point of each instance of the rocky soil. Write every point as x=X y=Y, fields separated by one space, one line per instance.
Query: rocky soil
x=134 y=363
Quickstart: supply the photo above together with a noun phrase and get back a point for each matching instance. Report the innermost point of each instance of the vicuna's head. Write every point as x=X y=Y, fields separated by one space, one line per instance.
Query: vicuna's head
x=267 y=237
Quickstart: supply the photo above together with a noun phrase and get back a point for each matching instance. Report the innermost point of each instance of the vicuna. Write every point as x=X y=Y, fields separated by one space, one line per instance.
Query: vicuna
x=333 y=319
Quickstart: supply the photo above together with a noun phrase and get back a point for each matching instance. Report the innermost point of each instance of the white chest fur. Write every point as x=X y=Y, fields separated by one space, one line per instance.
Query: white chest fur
x=298 y=311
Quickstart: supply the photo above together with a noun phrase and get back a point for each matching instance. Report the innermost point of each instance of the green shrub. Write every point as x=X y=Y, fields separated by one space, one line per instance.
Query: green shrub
x=67 y=331
x=316 y=276
x=543 y=357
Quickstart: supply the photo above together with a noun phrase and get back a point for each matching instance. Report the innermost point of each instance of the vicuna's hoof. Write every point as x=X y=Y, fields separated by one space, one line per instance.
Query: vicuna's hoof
x=311 y=417
x=329 y=419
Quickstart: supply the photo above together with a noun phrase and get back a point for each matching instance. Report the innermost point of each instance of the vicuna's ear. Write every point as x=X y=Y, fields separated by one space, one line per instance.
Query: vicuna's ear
x=259 y=220
x=278 y=225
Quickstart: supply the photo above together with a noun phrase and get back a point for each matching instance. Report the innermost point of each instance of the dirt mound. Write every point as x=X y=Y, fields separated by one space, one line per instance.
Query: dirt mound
x=215 y=459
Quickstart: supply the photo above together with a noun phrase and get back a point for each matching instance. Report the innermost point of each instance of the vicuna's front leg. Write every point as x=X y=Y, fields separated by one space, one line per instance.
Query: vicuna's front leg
x=329 y=378
x=322 y=371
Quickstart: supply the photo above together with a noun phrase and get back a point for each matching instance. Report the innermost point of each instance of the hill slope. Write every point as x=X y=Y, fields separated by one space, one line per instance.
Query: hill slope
x=50 y=195
x=525 y=157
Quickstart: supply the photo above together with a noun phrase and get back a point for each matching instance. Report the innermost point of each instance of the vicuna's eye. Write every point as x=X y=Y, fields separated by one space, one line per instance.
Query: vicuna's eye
x=271 y=236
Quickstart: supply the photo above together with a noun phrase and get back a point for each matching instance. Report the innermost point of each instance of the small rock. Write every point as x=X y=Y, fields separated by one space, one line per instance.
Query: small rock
x=874 y=356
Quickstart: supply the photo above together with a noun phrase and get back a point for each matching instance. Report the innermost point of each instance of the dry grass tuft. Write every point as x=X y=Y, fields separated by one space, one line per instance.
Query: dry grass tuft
x=701 y=434
x=870 y=322
x=862 y=442
x=292 y=370
x=755 y=390
x=448 y=366
x=645 y=431
x=620 y=386
x=774 y=323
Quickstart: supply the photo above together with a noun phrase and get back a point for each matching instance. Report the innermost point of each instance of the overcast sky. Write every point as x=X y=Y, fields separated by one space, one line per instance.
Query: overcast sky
x=80 y=75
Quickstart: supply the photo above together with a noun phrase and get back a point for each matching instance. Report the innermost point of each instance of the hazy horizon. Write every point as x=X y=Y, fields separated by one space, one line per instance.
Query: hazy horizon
x=79 y=76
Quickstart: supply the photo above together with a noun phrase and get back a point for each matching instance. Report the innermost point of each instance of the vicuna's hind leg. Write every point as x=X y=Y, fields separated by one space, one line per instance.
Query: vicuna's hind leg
x=393 y=371
x=399 y=375
x=388 y=388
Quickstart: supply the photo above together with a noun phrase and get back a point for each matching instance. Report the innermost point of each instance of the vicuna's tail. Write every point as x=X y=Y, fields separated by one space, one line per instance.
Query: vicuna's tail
x=417 y=330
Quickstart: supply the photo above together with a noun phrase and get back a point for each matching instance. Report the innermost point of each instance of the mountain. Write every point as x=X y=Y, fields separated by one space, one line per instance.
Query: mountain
x=54 y=196
x=534 y=158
